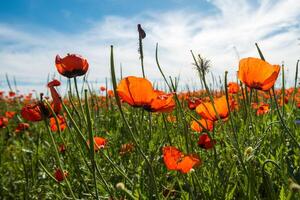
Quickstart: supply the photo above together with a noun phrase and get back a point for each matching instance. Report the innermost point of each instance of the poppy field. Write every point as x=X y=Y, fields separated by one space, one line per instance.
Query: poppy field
x=135 y=140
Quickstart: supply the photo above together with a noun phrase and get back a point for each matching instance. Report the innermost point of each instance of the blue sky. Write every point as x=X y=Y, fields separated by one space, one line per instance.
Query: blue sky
x=69 y=15
x=33 y=32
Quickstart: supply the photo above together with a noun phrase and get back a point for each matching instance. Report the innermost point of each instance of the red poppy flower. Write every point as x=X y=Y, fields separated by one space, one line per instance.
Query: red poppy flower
x=233 y=88
x=102 y=88
x=206 y=110
x=32 y=112
x=11 y=94
x=137 y=92
x=3 y=122
x=206 y=125
x=99 y=143
x=22 y=127
x=71 y=66
x=176 y=160
x=193 y=102
x=205 y=142
x=61 y=121
x=59 y=175
x=257 y=74
x=61 y=148
x=36 y=112
x=263 y=109
x=10 y=114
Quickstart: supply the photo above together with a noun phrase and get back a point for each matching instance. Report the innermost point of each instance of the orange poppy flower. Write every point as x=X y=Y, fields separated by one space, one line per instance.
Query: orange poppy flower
x=206 y=125
x=59 y=175
x=233 y=88
x=99 y=143
x=21 y=127
x=206 y=110
x=263 y=109
x=257 y=74
x=110 y=93
x=205 y=142
x=176 y=160
x=61 y=121
x=10 y=114
x=3 y=122
x=137 y=92
x=161 y=103
x=71 y=66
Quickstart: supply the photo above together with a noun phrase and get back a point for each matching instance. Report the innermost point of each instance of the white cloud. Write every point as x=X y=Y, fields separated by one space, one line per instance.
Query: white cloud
x=29 y=53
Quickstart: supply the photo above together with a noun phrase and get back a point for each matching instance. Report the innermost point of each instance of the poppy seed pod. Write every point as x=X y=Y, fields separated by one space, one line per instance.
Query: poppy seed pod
x=71 y=66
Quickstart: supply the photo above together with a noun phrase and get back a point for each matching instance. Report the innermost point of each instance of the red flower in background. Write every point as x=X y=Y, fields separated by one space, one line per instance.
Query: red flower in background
x=3 y=122
x=263 y=108
x=36 y=112
x=193 y=102
x=10 y=114
x=71 y=66
x=11 y=94
x=102 y=88
x=61 y=122
x=22 y=127
x=99 y=143
x=205 y=142
x=176 y=160
x=233 y=88
x=60 y=175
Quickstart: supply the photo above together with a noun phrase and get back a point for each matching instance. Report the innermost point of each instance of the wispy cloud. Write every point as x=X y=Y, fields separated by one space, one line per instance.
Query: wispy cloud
x=29 y=52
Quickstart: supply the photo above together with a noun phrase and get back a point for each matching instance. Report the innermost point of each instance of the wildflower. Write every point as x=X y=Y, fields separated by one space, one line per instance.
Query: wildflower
x=36 y=112
x=71 y=66
x=263 y=109
x=205 y=125
x=206 y=110
x=10 y=114
x=137 y=92
x=176 y=160
x=110 y=93
x=102 y=88
x=60 y=175
x=61 y=148
x=21 y=127
x=61 y=122
x=32 y=112
x=3 y=122
x=205 y=142
x=161 y=103
x=233 y=88
x=193 y=102
x=99 y=143
x=11 y=94
x=257 y=74
x=126 y=148
x=248 y=151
